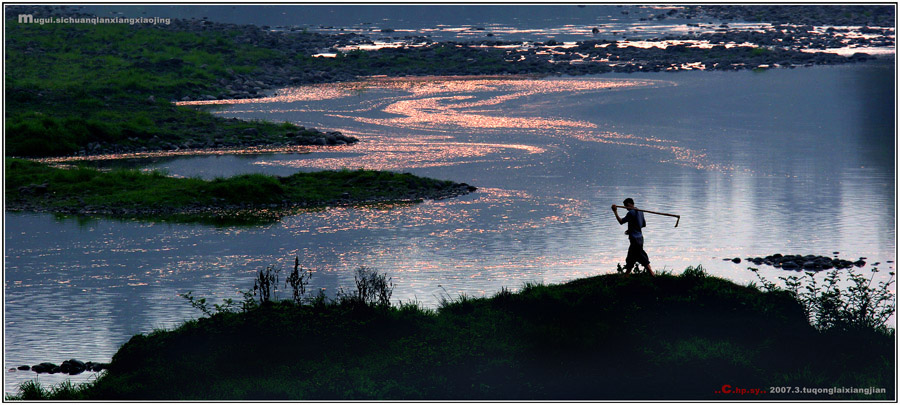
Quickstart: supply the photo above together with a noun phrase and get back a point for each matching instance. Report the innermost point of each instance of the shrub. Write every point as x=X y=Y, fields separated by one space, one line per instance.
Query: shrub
x=372 y=288
x=829 y=307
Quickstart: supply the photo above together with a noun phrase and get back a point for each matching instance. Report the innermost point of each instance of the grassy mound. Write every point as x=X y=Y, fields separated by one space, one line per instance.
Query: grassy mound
x=600 y=338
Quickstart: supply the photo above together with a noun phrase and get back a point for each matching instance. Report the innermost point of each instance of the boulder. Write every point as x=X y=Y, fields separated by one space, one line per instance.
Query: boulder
x=43 y=367
x=789 y=265
x=73 y=367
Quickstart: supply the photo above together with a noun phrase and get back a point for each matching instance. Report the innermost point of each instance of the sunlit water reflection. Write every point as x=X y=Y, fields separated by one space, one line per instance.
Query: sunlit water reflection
x=789 y=161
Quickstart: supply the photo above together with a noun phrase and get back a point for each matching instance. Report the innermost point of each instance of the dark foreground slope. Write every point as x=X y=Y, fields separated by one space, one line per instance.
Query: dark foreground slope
x=607 y=337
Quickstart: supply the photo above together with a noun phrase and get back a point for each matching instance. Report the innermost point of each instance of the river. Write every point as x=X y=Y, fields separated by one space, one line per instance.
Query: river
x=755 y=162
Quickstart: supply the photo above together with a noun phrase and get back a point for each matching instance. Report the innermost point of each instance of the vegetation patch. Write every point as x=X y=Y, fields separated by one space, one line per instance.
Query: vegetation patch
x=130 y=193
x=105 y=88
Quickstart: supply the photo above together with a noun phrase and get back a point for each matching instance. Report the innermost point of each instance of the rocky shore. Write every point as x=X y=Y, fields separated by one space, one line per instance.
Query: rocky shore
x=789 y=42
x=804 y=262
x=725 y=48
x=71 y=367
x=829 y=14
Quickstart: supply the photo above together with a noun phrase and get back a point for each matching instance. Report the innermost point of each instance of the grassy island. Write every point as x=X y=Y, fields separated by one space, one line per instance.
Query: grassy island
x=680 y=337
x=129 y=193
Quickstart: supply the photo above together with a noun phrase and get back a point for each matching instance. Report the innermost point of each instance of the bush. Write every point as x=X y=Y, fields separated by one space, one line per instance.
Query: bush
x=372 y=288
x=860 y=306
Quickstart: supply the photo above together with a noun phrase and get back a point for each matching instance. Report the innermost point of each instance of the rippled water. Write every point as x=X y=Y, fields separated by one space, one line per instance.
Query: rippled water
x=756 y=163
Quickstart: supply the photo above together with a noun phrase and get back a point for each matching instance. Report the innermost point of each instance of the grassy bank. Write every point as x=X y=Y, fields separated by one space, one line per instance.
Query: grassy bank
x=690 y=336
x=82 y=88
x=35 y=186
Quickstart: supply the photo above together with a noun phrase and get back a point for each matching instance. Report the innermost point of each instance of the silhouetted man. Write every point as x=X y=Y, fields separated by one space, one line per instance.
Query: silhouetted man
x=635 y=220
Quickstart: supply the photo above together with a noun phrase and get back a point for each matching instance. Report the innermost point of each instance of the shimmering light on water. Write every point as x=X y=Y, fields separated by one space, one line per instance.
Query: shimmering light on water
x=442 y=105
x=548 y=156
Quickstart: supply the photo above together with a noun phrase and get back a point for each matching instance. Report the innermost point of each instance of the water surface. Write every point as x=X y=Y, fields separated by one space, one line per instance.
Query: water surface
x=756 y=163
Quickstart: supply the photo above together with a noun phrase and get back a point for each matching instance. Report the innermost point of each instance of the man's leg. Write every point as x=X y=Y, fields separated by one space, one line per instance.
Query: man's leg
x=634 y=249
x=637 y=254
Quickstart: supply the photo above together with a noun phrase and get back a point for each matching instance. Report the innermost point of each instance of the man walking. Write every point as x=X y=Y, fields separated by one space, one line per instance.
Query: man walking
x=635 y=220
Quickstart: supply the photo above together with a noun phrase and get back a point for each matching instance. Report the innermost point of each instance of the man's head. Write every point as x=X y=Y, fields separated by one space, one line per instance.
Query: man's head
x=628 y=202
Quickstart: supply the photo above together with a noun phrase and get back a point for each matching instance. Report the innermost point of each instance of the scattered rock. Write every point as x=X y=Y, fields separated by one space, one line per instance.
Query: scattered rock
x=43 y=367
x=71 y=367
x=789 y=265
x=804 y=262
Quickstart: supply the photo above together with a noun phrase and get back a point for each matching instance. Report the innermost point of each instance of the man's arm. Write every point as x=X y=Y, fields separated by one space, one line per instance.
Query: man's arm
x=618 y=218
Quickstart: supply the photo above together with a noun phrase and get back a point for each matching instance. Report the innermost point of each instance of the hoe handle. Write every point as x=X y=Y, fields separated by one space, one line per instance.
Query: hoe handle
x=654 y=212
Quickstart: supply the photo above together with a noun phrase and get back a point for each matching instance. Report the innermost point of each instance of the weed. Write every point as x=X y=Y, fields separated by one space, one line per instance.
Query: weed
x=198 y=303
x=298 y=280
x=32 y=390
x=372 y=288
x=694 y=272
x=266 y=284
x=65 y=390
x=228 y=305
x=444 y=299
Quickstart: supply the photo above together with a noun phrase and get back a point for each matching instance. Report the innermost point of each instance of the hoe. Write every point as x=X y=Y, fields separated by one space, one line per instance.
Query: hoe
x=657 y=213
